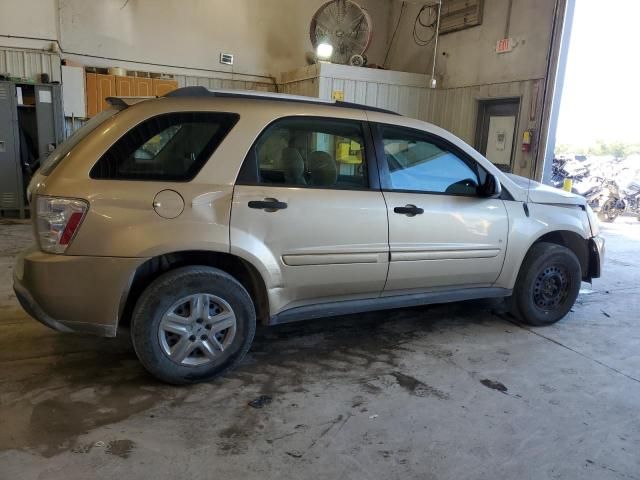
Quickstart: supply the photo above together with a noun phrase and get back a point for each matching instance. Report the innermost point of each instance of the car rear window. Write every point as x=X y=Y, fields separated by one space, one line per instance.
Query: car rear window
x=168 y=147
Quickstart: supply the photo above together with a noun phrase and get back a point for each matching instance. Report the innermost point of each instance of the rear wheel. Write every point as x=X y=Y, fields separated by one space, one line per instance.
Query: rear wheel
x=547 y=285
x=192 y=324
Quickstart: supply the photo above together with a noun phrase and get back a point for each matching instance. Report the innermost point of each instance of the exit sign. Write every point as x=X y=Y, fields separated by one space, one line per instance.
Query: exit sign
x=505 y=45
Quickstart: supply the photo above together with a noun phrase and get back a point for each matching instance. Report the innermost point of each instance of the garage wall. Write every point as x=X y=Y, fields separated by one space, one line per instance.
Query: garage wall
x=468 y=57
x=401 y=92
x=185 y=38
x=30 y=64
x=456 y=110
x=469 y=70
x=266 y=37
x=28 y=18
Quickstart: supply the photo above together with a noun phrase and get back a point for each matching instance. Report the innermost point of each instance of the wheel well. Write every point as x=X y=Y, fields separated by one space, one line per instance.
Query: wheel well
x=573 y=242
x=238 y=268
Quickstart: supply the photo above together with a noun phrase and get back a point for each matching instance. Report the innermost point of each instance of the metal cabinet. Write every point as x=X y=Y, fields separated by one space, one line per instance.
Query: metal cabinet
x=11 y=184
x=31 y=126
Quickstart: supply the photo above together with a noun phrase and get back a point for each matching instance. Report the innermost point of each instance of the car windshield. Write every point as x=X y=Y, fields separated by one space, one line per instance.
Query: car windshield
x=65 y=147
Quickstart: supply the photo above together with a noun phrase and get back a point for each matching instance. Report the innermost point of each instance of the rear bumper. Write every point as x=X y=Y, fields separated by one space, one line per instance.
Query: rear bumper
x=596 y=256
x=73 y=293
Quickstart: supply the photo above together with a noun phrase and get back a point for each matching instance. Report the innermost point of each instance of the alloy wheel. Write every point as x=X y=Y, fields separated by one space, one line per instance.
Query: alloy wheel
x=197 y=329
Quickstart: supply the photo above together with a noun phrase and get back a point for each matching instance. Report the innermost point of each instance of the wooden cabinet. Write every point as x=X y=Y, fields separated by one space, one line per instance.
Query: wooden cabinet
x=125 y=86
x=99 y=87
x=91 y=92
x=106 y=88
x=162 y=86
x=143 y=87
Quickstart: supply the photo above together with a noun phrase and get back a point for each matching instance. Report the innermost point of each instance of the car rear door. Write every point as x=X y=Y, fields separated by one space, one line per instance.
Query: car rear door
x=442 y=234
x=308 y=211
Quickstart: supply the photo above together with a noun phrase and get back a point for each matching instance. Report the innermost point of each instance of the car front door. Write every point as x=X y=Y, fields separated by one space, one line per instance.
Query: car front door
x=442 y=234
x=308 y=211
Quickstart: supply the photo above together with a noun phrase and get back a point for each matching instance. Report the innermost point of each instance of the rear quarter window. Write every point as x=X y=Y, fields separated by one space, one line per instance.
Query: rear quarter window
x=168 y=147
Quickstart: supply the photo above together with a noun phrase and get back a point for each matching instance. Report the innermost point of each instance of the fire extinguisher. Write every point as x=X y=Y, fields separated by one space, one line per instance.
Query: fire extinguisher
x=527 y=140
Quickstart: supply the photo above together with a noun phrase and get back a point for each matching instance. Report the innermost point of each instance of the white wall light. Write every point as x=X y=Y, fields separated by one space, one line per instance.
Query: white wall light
x=324 y=51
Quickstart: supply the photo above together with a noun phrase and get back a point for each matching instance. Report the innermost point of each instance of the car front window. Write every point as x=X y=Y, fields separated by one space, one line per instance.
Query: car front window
x=417 y=164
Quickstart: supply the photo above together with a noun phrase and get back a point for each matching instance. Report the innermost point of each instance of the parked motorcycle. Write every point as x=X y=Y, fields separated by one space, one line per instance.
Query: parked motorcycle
x=598 y=183
x=631 y=197
x=603 y=196
x=576 y=169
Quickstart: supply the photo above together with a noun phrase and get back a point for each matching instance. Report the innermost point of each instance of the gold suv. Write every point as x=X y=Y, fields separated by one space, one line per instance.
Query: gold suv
x=191 y=217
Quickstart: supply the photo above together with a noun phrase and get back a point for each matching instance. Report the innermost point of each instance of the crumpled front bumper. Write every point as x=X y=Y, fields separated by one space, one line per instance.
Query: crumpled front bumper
x=74 y=293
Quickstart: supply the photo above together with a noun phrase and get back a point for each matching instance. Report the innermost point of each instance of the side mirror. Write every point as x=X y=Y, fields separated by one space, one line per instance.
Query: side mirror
x=491 y=187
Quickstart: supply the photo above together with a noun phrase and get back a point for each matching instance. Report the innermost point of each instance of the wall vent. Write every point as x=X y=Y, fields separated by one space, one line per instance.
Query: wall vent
x=8 y=200
x=226 y=59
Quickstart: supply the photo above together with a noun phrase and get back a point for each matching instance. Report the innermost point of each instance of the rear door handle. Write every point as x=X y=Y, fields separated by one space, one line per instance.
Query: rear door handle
x=268 y=204
x=409 y=210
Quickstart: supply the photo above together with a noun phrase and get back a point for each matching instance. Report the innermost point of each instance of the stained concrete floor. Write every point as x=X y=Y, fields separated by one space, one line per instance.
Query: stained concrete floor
x=441 y=392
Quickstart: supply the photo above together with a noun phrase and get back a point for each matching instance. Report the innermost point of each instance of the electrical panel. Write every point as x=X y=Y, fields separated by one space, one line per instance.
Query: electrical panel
x=460 y=14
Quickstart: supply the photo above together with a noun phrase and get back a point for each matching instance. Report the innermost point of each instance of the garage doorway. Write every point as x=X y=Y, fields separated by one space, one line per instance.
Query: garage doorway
x=496 y=131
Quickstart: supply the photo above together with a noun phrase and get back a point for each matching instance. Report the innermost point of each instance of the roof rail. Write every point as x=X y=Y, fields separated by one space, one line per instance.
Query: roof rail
x=276 y=97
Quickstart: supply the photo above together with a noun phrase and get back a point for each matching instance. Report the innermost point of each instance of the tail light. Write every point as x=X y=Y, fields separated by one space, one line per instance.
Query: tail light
x=57 y=221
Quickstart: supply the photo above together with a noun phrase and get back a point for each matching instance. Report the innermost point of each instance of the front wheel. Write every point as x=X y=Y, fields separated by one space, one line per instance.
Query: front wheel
x=547 y=285
x=192 y=324
x=609 y=211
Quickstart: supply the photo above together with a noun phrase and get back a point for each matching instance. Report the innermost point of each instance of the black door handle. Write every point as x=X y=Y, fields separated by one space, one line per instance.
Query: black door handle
x=409 y=210
x=268 y=204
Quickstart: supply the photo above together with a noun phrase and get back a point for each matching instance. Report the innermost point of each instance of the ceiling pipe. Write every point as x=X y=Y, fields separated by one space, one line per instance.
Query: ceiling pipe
x=433 y=82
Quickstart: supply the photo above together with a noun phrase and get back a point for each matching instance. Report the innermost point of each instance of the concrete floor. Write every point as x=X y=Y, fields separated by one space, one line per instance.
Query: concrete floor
x=455 y=391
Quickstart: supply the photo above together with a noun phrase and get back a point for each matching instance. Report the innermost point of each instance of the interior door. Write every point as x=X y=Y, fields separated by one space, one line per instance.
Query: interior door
x=441 y=233
x=305 y=208
x=496 y=131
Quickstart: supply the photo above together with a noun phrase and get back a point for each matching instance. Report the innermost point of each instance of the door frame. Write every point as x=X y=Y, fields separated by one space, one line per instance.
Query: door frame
x=482 y=128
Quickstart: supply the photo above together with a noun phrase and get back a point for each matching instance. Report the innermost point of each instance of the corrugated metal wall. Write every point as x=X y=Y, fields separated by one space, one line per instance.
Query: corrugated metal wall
x=407 y=100
x=308 y=87
x=411 y=101
x=456 y=110
x=217 y=83
x=30 y=64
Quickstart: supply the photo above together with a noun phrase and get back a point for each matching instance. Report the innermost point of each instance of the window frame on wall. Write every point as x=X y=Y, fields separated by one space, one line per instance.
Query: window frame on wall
x=437 y=141
x=249 y=174
x=225 y=121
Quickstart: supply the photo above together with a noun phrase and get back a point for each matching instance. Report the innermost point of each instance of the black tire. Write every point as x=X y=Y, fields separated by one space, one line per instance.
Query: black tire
x=547 y=286
x=170 y=288
x=608 y=212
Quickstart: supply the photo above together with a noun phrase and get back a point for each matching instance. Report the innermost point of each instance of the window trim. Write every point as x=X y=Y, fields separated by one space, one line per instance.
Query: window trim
x=227 y=119
x=249 y=173
x=385 y=176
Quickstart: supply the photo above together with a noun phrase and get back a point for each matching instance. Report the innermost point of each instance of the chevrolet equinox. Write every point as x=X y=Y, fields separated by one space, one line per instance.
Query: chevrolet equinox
x=190 y=218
